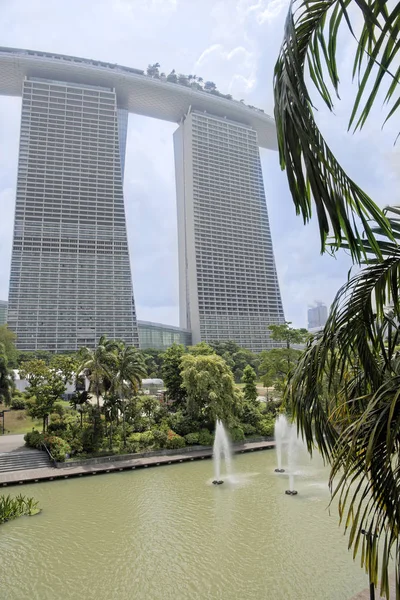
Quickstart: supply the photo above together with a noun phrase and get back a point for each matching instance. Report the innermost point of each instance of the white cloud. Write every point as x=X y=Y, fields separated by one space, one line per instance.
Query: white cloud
x=237 y=64
x=262 y=11
x=234 y=43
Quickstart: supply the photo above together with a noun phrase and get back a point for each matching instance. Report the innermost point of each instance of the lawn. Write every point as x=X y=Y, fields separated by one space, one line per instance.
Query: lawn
x=17 y=421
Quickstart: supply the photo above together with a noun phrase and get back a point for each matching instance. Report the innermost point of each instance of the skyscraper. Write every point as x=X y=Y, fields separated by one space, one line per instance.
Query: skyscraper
x=317 y=316
x=70 y=274
x=228 y=283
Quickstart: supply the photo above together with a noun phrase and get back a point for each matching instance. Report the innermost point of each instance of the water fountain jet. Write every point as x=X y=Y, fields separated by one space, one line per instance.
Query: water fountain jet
x=292 y=448
x=281 y=426
x=221 y=449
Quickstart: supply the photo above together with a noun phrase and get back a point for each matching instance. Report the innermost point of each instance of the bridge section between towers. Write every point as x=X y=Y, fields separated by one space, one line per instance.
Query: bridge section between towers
x=135 y=91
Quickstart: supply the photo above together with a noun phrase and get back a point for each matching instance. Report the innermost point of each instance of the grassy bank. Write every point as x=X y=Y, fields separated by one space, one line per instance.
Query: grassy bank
x=17 y=421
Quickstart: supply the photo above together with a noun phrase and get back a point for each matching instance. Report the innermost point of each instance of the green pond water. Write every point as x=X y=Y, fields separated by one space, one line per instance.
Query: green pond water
x=167 y=534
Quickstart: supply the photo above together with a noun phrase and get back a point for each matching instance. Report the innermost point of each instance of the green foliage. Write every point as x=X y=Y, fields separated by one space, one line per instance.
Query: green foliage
x=34 y=439
x=236 y=434
x=65 y=365
x=6 y=377
x=205 y=438
x=160 y=438
x=58 y=447
x=153 y=362
x=18 y=400
x=175 y=441
x=46 y=386
x=26 y=356
x=288 y=335
x=236 y=357
x=276 y=365
x=200 y=349
x=248 y=429
x=7 y=340
x=308 y=59
x=192 y=439
x=133 y=443
x=266 y=426
x=210 y=388
x=171 y=374
x=12 y=508
x=250 y=389
x=93 y=432
x=97 y=365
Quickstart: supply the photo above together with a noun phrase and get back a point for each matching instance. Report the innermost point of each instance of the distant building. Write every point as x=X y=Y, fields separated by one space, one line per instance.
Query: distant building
x=3 y=312
x=161 y=337
x=317 y=316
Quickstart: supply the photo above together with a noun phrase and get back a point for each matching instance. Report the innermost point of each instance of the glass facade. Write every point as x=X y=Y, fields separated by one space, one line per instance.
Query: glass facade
x=70 y=278
x=3 y=312
x=161 y=337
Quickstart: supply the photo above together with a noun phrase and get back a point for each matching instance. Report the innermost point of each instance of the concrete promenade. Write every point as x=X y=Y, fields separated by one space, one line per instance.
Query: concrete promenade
x=65 y=472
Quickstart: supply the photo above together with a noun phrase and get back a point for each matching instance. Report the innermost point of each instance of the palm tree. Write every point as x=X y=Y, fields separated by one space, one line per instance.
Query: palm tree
x=6 y=378
x=309 y=46
x=344 y=393
x=97 y=365
x=344 y=390
x=127 y=374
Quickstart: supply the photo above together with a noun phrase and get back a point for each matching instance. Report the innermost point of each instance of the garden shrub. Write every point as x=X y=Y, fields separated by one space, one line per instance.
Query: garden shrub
x=160 y=438
x=236 y=434
x=206 y=438
x=34 y=439
x=192 y=439
x=91 y=439
x=59 y=448
x=133 y=443
x=146 y=439
x=18 y=402
x=175 y=441
x=57 y=426
x=248 y=429
x=266 y=426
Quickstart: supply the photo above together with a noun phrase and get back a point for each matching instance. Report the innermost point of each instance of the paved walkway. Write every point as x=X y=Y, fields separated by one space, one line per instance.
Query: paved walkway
x=50 y=473
x=13 y=443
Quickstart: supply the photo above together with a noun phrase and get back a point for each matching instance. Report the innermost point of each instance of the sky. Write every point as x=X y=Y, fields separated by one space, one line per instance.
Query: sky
x=234 y=43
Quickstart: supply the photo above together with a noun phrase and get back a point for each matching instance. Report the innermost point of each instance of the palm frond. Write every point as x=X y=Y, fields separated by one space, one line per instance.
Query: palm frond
x=345 y=396
x=314 y=174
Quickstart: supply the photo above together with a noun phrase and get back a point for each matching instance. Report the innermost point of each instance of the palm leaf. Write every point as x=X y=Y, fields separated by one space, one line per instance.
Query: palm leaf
x=314 y=174
x=345 y=396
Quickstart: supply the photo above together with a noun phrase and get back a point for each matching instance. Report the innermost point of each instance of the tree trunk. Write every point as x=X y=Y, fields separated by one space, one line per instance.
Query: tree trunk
x=81 y=417
x=44 y=424
x=123 y=424
x=110 y=431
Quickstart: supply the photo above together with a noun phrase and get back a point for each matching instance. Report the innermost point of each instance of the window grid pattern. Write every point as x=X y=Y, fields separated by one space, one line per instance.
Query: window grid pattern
x=237 y=284
x=70 y=277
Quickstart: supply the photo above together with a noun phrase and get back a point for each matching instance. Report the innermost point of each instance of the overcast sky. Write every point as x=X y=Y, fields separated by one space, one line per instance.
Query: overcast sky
x=234 y=43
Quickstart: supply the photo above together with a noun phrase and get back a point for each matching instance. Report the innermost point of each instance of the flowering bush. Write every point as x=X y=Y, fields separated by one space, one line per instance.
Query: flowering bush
x=175 y=441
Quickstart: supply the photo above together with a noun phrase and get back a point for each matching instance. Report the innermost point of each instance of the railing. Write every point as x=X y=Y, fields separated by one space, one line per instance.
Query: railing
x=53 y=460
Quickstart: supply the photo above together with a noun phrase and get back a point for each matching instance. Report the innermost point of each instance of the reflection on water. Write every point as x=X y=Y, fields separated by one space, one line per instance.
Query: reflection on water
x=169 y=534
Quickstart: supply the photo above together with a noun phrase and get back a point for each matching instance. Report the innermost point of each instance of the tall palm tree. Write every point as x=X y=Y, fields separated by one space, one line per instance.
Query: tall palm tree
x=344 y=390
x=345 y=396
x=97 y=364
x=128 y=371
